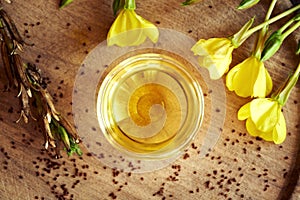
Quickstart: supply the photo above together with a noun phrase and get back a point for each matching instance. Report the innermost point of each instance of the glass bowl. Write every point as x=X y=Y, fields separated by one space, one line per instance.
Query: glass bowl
x=140 y=108
x=149 y=105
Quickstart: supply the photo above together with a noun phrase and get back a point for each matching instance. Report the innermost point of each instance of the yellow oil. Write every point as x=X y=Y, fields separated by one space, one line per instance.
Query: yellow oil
x=145 y=102
x=140 y=104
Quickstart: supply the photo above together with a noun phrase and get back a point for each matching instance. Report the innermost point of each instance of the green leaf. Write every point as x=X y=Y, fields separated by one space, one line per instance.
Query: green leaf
x=64 y=3
x=187 y=2
x=74 y=148
x=238 y=38
x=245 y=4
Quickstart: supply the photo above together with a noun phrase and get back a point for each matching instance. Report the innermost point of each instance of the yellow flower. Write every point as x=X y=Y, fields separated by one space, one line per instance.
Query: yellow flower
x=249 y=78
x=130 y=29
x=215 y=54
x=264 y=119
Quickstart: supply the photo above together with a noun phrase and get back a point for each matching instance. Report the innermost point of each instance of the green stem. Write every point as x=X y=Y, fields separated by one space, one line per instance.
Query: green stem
x=270 y=10
x=286 y=25
x=289 y=31
x=283 y=93
x=263 y=32
x=130 y=4
x=270 y=21
x=296 y=73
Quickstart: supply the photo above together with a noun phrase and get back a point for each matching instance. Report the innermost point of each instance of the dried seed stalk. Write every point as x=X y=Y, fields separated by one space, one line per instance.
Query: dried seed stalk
x=25 y=112
x=7 y=66
x=21 y=72
x=10 y=25
x=28 y=79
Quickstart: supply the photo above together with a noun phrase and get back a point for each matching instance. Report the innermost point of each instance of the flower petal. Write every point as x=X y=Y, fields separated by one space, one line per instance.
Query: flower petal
x=130 y=29
x=260 y=84
x=212 y=46
x=267 y=136
x=249 y=78
x=219 y=66
x=245 y=78
x=149 y=29
x=269 y=83
x=230 y=77
x=264 y=113
x=244 y=112
x=279 y=132
x=215 y=54
x=252 y=130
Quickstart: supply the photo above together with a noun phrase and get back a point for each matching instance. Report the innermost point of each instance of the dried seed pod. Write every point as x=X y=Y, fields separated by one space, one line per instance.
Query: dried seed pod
x=27 y=77
x=48 y=115
x=7 y=66
x=25 y=112
x=14 y=33
x=22 y=116
x=52 y=143
x=25 y=102
x=6 y=37
x=49 y=101
x=49 y=138
x=46 y=144
x=20 y=68
x=41 y=105
x=34 y=74
x=47 y=128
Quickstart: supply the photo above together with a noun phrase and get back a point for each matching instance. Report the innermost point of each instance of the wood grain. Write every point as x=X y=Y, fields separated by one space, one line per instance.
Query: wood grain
x=238 y=167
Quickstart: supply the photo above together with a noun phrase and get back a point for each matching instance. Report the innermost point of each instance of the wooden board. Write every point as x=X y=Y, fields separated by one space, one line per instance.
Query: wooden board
x=238 y=167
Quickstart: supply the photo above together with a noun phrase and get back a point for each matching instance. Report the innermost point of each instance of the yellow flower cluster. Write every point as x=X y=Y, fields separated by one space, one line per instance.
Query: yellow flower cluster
x=215 y=54
x=250 y=78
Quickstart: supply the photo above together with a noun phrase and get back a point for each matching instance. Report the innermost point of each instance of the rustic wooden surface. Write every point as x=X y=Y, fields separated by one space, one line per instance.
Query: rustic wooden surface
x=239 y=167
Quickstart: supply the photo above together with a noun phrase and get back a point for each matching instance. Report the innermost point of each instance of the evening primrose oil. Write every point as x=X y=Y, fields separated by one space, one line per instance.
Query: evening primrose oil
x=149 y=104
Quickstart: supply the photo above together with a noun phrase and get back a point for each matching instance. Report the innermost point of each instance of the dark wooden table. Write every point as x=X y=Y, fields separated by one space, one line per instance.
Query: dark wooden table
x=238 y=167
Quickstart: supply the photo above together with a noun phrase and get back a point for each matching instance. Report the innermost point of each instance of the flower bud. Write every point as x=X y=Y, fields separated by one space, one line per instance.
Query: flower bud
x=284 y=92
x=272 y=45
x=245 y=4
